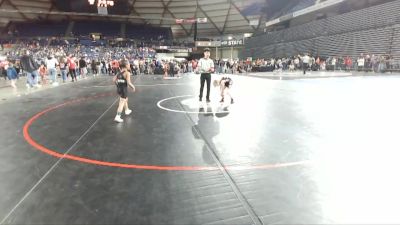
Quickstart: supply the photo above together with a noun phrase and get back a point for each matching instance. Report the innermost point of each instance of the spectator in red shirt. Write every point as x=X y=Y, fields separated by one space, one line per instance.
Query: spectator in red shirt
x=72 y=67
x=348 y=62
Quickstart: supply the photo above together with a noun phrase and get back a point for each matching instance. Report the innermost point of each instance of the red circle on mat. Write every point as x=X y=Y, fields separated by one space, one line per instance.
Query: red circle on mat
x=54 y=153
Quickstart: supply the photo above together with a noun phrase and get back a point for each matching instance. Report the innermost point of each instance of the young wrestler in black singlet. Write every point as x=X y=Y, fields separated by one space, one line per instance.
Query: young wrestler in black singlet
x=122 y=81
x=225 y=84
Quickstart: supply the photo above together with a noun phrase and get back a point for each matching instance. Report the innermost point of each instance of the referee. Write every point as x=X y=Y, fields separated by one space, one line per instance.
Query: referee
x=205 y=67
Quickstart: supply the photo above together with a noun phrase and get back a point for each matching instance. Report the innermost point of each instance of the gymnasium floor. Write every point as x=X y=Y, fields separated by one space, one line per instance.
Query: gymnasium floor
x=299 y=151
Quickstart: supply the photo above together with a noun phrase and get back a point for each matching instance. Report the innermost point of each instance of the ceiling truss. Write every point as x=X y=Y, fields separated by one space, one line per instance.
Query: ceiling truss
x=224 y=17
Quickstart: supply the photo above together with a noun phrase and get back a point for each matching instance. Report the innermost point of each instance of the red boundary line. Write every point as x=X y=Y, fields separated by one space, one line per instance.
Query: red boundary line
x=54 y=153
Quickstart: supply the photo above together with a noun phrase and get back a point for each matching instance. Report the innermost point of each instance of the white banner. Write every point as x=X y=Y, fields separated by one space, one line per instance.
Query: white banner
x=232 y=43
x=102 y=10
x=203 y=43
x=272 y=22
x=317 y=7
x=307 y=10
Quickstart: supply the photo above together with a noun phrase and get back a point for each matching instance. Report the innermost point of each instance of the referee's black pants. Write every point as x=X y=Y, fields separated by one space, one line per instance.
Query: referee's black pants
x=305 y=68
x=203 y=78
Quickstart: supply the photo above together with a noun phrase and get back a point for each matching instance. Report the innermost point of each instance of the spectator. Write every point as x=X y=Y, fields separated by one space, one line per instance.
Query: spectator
x=30 y=66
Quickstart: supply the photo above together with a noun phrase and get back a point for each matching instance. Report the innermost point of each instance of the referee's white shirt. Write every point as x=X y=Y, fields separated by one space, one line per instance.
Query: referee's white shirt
x=205 y=65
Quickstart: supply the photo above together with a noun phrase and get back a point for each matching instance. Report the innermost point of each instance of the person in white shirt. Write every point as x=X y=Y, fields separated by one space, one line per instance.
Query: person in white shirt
x=306 y=62
x=190 y=67
x=360 y=63
x=51 y=64
x=205 y=67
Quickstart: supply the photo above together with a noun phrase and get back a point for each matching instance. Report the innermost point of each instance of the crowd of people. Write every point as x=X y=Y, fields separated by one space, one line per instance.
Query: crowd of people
x=365 y=63
x=44 y=64
x=76 y=61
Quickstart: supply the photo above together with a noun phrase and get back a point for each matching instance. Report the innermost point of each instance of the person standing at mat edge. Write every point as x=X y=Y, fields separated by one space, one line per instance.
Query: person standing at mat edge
x=205 y=67
x=122 y=80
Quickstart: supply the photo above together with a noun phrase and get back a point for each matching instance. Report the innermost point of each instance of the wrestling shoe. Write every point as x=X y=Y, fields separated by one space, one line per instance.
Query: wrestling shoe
x=118 y=119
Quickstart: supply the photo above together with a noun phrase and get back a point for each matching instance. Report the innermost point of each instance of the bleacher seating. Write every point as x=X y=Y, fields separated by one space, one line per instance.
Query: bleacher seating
x=84 y=28
x=371 y=30
x=374 y=41
x=146 y=32
x=395 y=43
x=41 y=29
x=105 y=28
x=380 y=15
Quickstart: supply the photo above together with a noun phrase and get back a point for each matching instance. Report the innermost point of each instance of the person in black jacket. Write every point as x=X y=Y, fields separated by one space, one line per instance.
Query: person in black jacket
x=171 y=69
x=30 y=66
